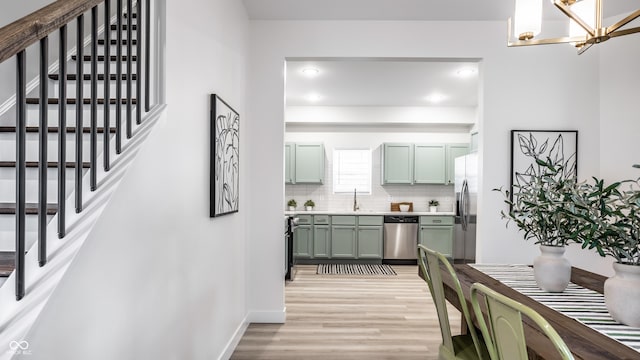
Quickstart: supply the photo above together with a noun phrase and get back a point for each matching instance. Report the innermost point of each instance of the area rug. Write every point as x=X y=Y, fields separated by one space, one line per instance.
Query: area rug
x=355 y=269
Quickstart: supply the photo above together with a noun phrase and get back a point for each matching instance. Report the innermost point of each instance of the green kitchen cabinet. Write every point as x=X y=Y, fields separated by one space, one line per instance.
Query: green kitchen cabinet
x=436 y=233
x=473 y=145
x=370 y=242
x=321 y=241
x=303 y=241
x=454 y=151
x=309 y=163
x=343 y=241
x=397 y=162
x=429 y=164
x=289 y=163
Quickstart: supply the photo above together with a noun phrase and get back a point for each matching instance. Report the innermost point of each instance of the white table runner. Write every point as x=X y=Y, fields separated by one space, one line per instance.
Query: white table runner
x=584 y=305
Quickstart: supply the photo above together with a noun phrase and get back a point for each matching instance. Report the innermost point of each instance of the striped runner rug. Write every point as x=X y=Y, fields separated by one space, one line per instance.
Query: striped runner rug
x=355 y=269
x=584 y=305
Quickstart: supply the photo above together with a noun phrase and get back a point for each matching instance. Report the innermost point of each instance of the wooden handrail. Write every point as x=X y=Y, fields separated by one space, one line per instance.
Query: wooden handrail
x=23 y=32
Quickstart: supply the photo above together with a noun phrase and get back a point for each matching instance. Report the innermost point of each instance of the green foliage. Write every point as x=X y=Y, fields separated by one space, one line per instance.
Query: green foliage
x=542 y=194
x=609 y=218
x=433 y=203
x=309 y=203
x=292 y=202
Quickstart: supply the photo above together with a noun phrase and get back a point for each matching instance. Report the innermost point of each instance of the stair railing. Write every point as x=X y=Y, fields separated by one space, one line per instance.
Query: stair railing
x=38 y=26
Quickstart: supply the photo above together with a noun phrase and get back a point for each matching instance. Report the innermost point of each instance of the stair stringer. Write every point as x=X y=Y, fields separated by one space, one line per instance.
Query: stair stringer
x=18 y=317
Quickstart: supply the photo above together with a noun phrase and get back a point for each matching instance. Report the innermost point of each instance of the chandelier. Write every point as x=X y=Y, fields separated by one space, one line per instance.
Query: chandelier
x=585 y=24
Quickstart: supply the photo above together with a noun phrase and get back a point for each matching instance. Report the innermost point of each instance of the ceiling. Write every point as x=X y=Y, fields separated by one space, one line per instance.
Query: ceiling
x=367 y=82
x=444 y=10
x=381 y=82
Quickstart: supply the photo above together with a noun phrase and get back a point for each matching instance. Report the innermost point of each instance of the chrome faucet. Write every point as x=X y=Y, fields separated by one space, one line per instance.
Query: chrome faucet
x=355 y=201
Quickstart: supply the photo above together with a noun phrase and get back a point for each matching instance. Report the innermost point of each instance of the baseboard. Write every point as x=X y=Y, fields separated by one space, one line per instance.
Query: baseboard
x=268 y=317
x=235 y=339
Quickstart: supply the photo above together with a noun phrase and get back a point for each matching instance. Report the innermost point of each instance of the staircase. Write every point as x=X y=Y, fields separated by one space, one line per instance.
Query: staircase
x=70 y=140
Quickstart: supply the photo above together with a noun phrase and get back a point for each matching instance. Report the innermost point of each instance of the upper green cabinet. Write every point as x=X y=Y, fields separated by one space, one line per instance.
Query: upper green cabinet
x=304 y=163
x=429 y=164
x=454 y=151
x=474 y=142
x=289 y=163
x=420 y=163
x=398 y=164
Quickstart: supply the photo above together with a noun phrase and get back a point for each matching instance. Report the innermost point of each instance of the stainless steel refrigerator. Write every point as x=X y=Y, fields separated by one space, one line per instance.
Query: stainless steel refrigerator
x=466 y=189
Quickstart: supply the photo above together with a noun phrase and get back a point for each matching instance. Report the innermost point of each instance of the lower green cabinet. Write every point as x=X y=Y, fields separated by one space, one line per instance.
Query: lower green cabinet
x=370 y=242
x=321 y=241
x=303 y=241
x=438 y=238
x=343 y=241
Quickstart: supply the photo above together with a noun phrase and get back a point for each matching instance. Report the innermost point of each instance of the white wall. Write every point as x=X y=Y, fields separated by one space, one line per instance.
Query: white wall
x=158 y=278
x=381 y=114
x=523 y=88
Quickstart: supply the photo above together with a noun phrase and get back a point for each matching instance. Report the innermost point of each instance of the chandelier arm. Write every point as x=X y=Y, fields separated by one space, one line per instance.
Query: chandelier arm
x=584 y=48
x=625 y=32
x=567 y=11
x=634 y=15
x=550 y=41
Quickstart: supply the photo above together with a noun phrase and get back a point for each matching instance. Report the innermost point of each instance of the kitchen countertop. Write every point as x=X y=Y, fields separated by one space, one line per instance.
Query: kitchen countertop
x=367 y=212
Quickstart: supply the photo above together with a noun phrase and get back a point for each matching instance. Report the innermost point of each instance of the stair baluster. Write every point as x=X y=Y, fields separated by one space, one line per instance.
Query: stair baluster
x=79 y=111
x=21 y=136
x=107 y=74
x=62 y=132
x=43 y=133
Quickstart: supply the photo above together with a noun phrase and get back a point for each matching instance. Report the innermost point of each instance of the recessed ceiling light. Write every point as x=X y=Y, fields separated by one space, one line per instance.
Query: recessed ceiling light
x=314 y=97
x=466 y=72
x=435 y=98
x=310 y=72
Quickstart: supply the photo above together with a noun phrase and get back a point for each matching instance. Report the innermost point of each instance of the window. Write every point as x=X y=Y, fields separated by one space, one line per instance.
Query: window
x=352 y=170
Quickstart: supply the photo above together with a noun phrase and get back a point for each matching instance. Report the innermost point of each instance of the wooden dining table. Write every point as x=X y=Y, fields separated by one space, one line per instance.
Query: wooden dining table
x=584 y=342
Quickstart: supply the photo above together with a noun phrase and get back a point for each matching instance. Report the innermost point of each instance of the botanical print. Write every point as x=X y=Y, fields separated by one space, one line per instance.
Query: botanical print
x=225 y=157
x=561 y=147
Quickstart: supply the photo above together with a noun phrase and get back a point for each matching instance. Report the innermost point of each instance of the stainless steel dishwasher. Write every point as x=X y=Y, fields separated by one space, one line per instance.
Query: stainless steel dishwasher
x=400 y=238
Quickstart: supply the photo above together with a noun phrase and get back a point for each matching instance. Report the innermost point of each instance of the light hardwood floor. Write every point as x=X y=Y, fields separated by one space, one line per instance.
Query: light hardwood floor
x=350 y=317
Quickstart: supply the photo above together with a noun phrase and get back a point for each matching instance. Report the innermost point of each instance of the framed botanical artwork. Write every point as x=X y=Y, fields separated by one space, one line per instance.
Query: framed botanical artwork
x=224 y=158
x=561 y=146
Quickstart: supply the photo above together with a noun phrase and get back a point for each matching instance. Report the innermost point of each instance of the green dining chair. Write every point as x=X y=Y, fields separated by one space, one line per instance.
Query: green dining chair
x=465 y=346
x=505 y=337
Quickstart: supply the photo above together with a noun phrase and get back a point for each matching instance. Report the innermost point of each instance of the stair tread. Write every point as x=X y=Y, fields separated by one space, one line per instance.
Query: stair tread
x=54 y=101
x=50 y=164
x=7 y=263
x=101 y=58
x=31 y=208
x=72 y=77
x=115 y=42
x=52 y=129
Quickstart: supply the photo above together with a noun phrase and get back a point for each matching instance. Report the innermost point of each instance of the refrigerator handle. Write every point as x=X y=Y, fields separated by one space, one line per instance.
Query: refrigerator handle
x=464 y=208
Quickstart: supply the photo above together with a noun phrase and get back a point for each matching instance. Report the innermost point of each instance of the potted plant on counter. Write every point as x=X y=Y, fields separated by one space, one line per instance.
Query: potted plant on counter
x=433 y=205
x=309 y=204
x=610 y=223
x=292 y=204
x=538 y=206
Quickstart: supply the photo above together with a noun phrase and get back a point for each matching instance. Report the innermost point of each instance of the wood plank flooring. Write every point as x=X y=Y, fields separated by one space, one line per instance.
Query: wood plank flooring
x=351 y=317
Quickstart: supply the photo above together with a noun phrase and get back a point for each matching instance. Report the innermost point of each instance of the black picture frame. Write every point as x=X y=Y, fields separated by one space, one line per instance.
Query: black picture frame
x=520 y=162
x=224 y=158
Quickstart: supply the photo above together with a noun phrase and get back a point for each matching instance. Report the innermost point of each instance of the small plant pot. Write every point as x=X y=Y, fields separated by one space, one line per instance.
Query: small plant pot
x=292 y=208
x=433 y=208
x=621 y=293
x=309 y=208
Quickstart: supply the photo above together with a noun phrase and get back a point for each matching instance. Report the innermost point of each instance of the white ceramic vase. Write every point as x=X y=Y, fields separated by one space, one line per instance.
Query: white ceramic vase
x=551 y=269
x=433 y=208
x=309 y=208
x=292 y=208
x=621 y=293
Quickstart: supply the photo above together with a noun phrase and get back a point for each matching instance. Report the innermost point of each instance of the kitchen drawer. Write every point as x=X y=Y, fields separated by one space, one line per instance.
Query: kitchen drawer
x=305 y=219
x=321 y=219
x=343 y=220
x=370 y=220
x=436 y=220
